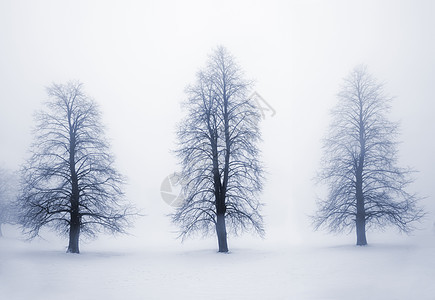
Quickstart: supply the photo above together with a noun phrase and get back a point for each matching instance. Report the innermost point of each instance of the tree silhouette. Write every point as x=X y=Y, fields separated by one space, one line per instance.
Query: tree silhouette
x=365 y=187
x=69 y=183
x=221 y=171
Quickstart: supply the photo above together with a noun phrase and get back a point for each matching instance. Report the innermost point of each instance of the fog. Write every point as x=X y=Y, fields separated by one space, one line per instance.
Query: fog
x=135 y=59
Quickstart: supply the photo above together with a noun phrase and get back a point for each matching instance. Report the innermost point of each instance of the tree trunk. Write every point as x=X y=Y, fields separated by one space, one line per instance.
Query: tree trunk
x=360 y=213
x=221 y=207
x=221 y=229
x=361 y=230
x=221 y=233
x=360 y=205
x=74 y=229
x=74 y=234
x=75 y=221
x=1 y=233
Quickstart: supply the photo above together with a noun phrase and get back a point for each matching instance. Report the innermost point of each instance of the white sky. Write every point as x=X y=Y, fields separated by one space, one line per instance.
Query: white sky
x=136 y=57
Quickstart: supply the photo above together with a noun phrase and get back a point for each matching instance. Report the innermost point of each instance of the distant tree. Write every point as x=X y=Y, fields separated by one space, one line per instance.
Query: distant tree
x=69 y=182
x=8 y=188
x=365 y=187
x=221 y=171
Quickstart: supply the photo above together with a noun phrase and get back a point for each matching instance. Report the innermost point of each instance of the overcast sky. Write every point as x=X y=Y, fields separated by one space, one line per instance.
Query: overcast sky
x=136 y=57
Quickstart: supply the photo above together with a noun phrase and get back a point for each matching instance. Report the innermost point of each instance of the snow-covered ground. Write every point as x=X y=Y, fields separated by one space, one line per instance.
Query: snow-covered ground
x=133 y=268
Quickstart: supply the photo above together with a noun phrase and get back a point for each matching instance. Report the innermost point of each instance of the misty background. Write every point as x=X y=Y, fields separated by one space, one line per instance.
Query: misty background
x=137 y=57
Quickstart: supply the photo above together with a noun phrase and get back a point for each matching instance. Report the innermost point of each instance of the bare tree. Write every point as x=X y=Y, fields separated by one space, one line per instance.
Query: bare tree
x=69 y=182
x=221 y=171
x=365 y=187
x=8 y=194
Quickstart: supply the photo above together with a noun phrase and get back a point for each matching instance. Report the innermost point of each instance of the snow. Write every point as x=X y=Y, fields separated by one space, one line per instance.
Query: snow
x=127 y=268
